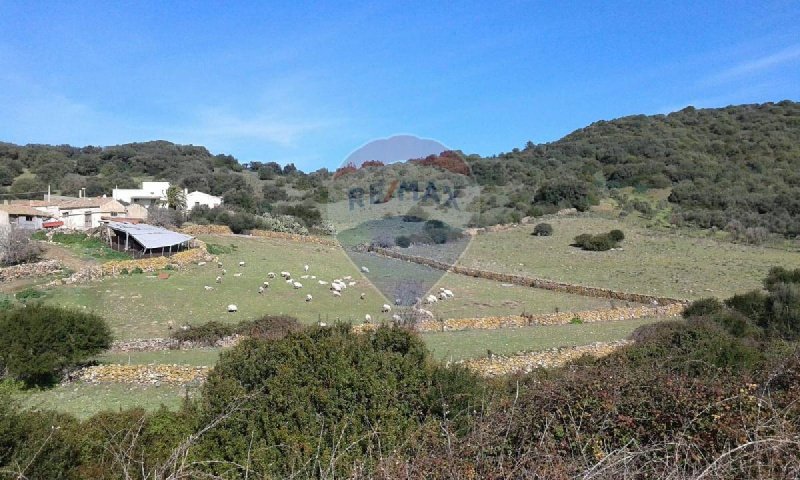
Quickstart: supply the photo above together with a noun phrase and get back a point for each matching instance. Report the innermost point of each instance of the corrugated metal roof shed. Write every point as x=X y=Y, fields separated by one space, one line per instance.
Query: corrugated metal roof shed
x=150 y=236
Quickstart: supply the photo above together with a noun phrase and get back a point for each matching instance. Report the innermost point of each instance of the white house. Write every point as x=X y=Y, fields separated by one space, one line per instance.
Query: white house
x=196 y=199
x=151 y=194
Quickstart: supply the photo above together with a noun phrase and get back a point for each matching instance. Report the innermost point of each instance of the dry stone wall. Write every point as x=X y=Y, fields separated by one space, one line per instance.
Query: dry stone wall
x=155 y=374
x=496 y=366
x=160 y=344
x=529 y=281
x=560 y=318
x=25 y=270
x=195 y=230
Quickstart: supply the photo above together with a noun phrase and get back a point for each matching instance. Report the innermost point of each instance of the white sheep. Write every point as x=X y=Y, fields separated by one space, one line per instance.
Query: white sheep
x=289 y=281
x=352 y=284
x=313 y=277
x=261 y=290
x=208 y=288
x=308 y=297
x=297 y=285
x=386 y=308
x=368 y=318
x=442 y=296
x=200 y=264
x=322 y=324
x=348 y=277
x=424 y=313
x=365 y=269
x=397 y=301
x=286 y=274
x=449 y=293
x=431 y=299
x=241 y=264
x=219 y=264
x=266 y=284
x=219 y=279
x=271 y=275
x=303 y=276
x=322 y=282
x=397 y=318
x=237 y=274
x=363 y=296
x=337 y=293
x=336 y=287
x=232 y=308
x=224 y=271
x=305 y=267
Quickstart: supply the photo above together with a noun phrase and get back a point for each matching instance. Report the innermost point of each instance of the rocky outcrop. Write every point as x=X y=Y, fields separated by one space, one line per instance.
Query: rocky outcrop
x=26 y=270
x=497 y=365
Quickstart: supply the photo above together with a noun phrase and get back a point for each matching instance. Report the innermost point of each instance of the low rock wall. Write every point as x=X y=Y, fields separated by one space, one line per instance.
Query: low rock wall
x=560 y=318
x=529 y=281
x=195 y=230
x=161 y=344
x=142 y=374
x=25 y=270
x=496 y=365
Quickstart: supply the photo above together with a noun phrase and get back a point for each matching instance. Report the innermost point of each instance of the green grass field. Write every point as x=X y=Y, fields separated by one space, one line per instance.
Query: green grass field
x=193 y=357
x=474 y=343
x=84 y=400
x=654 y=262
x=141 y=305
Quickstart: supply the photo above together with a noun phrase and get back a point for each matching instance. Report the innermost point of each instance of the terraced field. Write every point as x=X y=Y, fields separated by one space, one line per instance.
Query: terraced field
x=652 y=262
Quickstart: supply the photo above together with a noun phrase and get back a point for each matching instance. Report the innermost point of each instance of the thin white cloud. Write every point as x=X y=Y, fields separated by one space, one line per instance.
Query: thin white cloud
x=268 y=128
x=787 y=55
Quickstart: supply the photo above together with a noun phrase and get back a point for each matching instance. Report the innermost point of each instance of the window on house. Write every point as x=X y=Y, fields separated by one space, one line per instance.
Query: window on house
x=28 y=218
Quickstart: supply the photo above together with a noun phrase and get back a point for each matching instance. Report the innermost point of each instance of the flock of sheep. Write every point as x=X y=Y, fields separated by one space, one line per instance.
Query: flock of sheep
x=337 y=287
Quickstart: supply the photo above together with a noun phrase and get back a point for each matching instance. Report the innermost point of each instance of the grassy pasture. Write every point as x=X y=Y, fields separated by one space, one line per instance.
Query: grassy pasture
x=467 y=344
x=84 y=400
x=140 y=305
x=651 y=261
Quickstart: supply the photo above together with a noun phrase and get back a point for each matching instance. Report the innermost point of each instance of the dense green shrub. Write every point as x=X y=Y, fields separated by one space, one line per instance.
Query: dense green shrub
x=542 y=230
x=327 y=387
x=269 y=327
x=751 y=304
x=38 y=342
x=616 y=235
x=704 y=306
x=402 y=241
x=597 y=243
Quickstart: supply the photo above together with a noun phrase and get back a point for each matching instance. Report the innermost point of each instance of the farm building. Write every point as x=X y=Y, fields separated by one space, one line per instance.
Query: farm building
x=77 y=213
x=144 y=240
x=21 y=216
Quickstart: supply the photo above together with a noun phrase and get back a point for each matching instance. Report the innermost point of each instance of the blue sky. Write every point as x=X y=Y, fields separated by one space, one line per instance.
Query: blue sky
x=308 y=83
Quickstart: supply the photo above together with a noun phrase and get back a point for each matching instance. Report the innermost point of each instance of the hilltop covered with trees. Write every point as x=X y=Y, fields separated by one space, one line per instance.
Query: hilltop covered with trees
x=736 y=167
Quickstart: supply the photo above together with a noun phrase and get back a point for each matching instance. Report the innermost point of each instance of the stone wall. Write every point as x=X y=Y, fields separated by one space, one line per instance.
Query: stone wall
x=25 y=270
x=560 y=318
x=160 y=344
x=496 y=365
x=195 y=230
x=155 y=374
x=529 y=281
